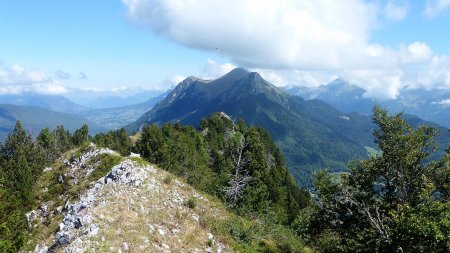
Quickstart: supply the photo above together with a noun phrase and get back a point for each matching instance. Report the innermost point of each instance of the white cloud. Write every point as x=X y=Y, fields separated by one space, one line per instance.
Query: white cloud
x=436 y=7
x=396 y=11
x=170 y=82
x=176 y=80
x=49 y=88
x=15 y=79
x=416 y=52
x=303 y=42
x=263 y=33
x=93 y=89
x=119 y=89
x=445 y=102
x=213 y=70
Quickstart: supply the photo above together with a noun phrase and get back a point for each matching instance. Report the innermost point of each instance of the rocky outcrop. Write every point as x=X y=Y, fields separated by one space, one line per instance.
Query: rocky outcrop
x=133 y=208
x=77 y=221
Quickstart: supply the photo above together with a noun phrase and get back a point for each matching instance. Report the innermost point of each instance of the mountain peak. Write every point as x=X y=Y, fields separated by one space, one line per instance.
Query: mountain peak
x=235 y=74
x=239 y=70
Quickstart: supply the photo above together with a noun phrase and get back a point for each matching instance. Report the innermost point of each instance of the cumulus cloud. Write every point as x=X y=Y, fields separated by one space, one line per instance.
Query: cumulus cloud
x=264 y=33
x=436 y=7
x=213 y=70
x=15 y=79
x=292 y=41
x=396 y=11
x=445 y=102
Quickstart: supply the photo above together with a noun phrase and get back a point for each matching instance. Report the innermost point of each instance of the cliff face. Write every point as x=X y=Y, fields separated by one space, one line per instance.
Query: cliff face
x=130 y=206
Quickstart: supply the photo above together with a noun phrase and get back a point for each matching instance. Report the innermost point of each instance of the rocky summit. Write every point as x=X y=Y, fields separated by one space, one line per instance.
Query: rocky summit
x=134 y=207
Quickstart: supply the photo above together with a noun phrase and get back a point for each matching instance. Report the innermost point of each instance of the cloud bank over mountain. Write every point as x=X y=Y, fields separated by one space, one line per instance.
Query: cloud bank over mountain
x=301 y=41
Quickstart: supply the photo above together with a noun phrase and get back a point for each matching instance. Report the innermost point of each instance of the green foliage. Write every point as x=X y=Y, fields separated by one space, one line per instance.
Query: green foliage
x=191 y=202
x=167 y=179
x=62 y=139
x=253 y=236
x=221 y=154
x=116 y=140
x=81 y=136
x=105 y=163
x=179 y=150
x=392 y=202
x=22 y=160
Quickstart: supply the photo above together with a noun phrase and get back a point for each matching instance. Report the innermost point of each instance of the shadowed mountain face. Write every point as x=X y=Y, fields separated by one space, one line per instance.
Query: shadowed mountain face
x=311 y=134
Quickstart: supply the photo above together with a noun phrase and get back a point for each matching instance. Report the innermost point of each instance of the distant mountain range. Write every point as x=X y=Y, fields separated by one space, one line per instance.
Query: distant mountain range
x=34 y=119
x=432 y=105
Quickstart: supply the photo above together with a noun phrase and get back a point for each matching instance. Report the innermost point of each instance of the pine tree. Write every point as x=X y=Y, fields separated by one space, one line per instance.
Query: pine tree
x=81 y=135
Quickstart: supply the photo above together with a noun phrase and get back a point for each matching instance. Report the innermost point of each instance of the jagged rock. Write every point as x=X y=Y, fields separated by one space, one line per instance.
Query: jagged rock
x=75 y=247
x=47 y=169
x=175 y=231
x=134 y=155
x=78 y=223
x=60 y=179
x=62 y=238
x=196 y=218
x=92 y=230
x=40 y=249
x=38 y=214
x=125 y=246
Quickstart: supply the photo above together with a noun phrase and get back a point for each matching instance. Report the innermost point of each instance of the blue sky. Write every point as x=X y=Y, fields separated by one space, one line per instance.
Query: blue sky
x=379 y=45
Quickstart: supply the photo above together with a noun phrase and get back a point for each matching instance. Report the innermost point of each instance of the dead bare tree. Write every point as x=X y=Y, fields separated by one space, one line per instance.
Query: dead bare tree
x=240 y=178
x=377 y=219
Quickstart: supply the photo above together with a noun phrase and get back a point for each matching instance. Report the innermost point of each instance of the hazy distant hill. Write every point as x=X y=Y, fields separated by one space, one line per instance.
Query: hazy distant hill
x=109 y=116
x=432 y=105
x=51 y=102
x=34 y=119
x=117 y=117
x=111 y=101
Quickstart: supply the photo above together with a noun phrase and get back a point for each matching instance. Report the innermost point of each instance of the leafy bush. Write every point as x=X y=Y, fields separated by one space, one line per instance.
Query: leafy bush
x=396 y=201
x=191 y=202
x=105 y=163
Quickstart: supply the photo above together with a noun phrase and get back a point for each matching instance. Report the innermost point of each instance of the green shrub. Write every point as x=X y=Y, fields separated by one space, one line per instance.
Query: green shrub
x=105 y=163
x=191 y=202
